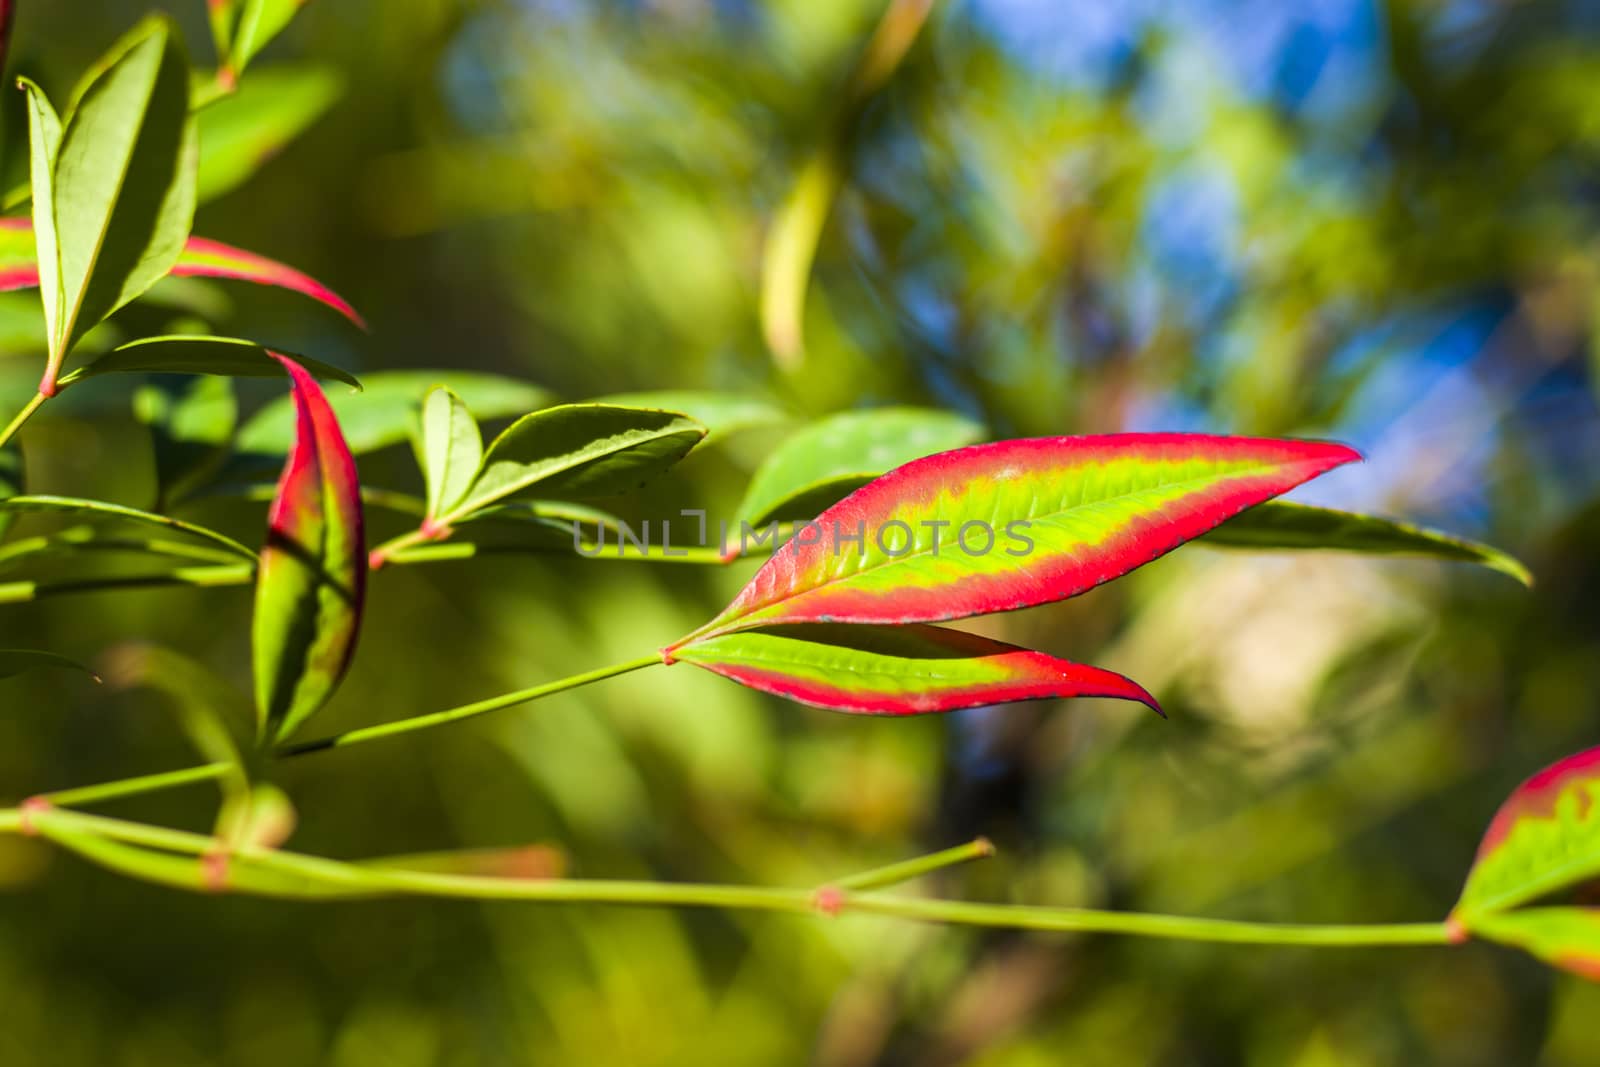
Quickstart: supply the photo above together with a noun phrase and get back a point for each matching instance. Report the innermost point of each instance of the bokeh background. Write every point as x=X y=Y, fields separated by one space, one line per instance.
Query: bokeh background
x=1377 y=222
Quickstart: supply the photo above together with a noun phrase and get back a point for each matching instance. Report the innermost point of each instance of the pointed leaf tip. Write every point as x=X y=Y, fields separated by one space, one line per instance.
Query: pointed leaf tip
x=311 y=582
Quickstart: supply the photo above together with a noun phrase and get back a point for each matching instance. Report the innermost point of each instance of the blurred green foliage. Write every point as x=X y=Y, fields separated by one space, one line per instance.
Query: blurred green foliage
x=1374 y=222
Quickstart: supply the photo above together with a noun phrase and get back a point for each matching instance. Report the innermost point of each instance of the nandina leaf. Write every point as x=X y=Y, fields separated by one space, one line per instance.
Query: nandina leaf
x=37 y=241
x=1545 y=838
x=246 y=128
x=122 y=191
x=232 y=357
x=451 y=448
x=1045 y=519
x=722 y=414
x=386 y=411
x=580 y=449
x=16 y=660
x=311 y=581
x=205 y=258
x=1568 y=938
x=831 y=458
x=200 y=258
x=259 y=22
x=1283 y=524
x=899 y=670
x=71 y=505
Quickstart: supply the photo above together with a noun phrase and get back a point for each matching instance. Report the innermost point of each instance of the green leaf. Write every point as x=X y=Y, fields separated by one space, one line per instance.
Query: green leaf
x=721 y=414
x=581 y=449
x=44 y=142
x=192 y=354
x=124 y=182
x=1568 y=938
x=451 y=448
x=1284 y=524
x=385 y=413
x=242 y=131
x=1544 y=839
x=201 y=257
x=311 y=582
x=14 y=661
x=223 y=16
x=899 y=670
x=259 y=23
x=191 y=422
x=828 y=460
x=68 y=505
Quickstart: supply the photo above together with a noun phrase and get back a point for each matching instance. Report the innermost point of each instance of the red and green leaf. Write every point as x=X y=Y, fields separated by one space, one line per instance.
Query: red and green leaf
x=1568 y=938
x=311 y=581
x=200 y=258
x=899 y=670
x=1545 y=838
x=1054 y=516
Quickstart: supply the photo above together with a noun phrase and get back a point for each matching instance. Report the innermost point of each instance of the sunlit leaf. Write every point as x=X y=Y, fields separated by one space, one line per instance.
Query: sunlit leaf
x=1284 y=524
x=199 y=258
x=452 y=449
x=311 y=581
x=1545 y=838
x=245 y=129
x=385 y=412
x=581 y=449
x=38 y=242
x=899 y=670
x=223 y=15
x=1012 y=524
x=1568 y=938
x=205 y=258
x=259 y=22
x=831 y=458
x=123 y=189
x=722 y=414
x=14 y=661
x=231 y=357
x=100 y=509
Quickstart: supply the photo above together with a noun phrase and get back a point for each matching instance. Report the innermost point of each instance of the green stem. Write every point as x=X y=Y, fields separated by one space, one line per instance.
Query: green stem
x=465 y=711
x=145 y=783
x=905 y=870
x=21 y=417
x=234 y=574
x=758 y=898
x=149 y=783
